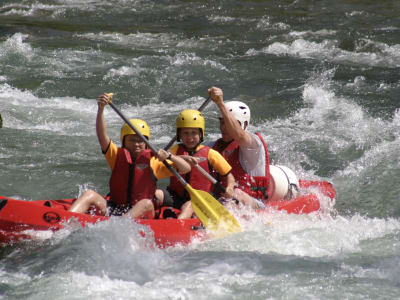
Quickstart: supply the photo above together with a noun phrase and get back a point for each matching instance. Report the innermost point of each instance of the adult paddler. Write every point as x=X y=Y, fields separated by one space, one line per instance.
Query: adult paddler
x=246 y=152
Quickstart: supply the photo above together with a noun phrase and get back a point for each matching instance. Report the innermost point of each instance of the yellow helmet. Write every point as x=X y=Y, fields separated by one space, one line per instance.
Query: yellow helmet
x=190 y=118
x=141 y=126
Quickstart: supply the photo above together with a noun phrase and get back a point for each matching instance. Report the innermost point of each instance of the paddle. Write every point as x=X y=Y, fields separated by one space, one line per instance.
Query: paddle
x=211 y=213
x=212 y=179
x=172 y=141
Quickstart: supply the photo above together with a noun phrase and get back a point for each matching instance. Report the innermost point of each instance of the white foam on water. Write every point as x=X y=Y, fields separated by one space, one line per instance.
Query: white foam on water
x=71 y=116
x=374 y=157
x=221 y=19
x=313 y=235
x=65 y=115
x=192 y=59
x=25 y=10
x=60 y=7
x=265 y=23
x=14 y=279
x=331 y=121
x=16 y=46
x=310 y=34
x=329 y=50
x=135 y=40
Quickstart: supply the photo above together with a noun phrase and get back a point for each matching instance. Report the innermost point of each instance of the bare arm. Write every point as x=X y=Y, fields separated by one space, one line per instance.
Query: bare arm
x=181 y=165
x=230 y=186
x=101 y=128
x=243 y=138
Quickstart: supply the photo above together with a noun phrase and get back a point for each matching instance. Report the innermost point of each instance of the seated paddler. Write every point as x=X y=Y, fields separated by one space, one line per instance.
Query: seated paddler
x=190 y=127
x=135 y=171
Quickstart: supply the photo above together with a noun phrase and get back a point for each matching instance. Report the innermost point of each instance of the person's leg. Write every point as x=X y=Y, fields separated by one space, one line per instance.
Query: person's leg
x=186 y=210
x=143 y=208
x=89 y=198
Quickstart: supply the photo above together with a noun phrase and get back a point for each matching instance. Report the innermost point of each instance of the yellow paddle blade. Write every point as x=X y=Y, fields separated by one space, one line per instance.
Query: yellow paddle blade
x=211 y=213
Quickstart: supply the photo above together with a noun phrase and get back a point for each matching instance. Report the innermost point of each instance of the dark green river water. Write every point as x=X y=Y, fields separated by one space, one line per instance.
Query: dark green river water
x=322 y=81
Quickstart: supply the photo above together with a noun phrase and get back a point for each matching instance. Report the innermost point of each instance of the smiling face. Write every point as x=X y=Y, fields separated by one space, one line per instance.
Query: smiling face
x=190 y=137
x=134 y=144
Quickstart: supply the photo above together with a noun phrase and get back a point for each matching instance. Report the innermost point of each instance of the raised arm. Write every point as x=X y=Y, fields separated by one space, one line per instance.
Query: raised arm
x=232 y=126
x=101 y=128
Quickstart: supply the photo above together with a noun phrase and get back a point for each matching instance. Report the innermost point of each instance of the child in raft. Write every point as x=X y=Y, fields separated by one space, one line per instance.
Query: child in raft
x=134 y=171
x=190 y=126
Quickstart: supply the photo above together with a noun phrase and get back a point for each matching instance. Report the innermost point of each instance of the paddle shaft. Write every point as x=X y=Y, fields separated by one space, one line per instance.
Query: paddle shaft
x=144 y=139
x=171 y=142
x=212 y=179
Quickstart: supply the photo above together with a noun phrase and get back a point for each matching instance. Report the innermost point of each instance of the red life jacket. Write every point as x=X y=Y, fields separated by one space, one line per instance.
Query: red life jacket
x=255 y=186
x=132 y=181
x=194 y=177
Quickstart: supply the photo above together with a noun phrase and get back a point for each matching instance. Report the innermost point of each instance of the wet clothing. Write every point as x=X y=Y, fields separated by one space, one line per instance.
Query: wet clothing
x=159 y=169
x=209 y=159
x=132 y=180
x=250 y=166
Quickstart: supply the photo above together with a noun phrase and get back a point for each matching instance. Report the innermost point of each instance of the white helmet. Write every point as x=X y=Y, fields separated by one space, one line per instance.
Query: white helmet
x=284 y=183
x=240 y=111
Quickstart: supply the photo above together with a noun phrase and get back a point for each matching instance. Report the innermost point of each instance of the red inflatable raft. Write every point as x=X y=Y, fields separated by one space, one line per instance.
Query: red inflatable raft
x=19 y=218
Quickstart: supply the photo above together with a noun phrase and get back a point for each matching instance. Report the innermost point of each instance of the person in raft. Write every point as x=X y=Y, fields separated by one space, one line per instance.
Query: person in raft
x=246 y=152
x=134 y=171
x=190 y=127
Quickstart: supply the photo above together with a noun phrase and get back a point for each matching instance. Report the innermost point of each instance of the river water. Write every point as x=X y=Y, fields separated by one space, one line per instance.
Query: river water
x=322 y=81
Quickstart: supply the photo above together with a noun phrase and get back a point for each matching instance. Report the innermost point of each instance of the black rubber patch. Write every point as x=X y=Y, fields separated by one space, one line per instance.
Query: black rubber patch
x=197 y=227
x=3 y=203
x=51 y=217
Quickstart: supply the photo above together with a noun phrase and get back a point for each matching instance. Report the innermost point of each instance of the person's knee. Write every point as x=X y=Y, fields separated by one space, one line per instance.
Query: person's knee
x=88 y=194
x=149 y=205
x=186 y=211
x=159 y=194
x=142 y=209
x=187 y=205
x=146 y=204
x=93 y=198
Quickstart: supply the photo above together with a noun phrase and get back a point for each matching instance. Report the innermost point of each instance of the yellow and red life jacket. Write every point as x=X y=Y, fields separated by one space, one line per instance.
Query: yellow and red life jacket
x=132 y=181
x=194 y=177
